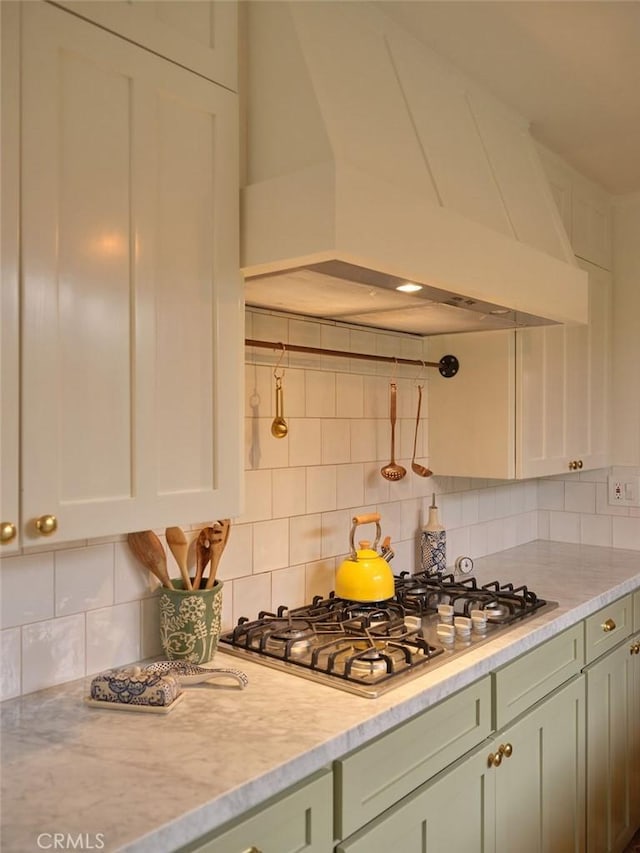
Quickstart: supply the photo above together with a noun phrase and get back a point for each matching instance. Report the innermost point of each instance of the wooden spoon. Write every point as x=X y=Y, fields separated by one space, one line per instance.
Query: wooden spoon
x=204 y=548
x=148 y=549
x=178 y=545
x=219 y=544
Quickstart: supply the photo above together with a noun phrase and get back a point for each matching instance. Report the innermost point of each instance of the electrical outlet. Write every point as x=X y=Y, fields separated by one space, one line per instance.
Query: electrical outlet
x=624 y=487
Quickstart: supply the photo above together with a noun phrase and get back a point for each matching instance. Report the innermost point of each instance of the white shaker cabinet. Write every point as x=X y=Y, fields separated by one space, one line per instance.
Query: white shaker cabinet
x=526 y=403
x=131 y=299
x=201 y=35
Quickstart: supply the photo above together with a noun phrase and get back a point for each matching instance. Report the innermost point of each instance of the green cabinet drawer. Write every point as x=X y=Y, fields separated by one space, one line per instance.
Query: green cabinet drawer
x=636 y=610
x=298 y=821
x=377 y=775
x=526 y=680
x=606 y=627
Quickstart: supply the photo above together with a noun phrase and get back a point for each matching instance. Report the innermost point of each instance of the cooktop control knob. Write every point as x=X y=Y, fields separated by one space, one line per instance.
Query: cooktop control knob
x=464 y=565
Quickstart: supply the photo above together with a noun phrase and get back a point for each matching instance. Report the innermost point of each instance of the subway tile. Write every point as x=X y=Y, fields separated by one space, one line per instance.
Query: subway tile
x=84 y=579
x=551 y=494
x=305 y=538
x=595 y=530
x=363 y=440
x=487 y=504
x=320 y=394
x=250 y=595
x=289 y=492
x=336 y=528
x=349 y=395
x=376 y=488
x=53 y=652
x=580 y=497
x=544 y=523
x=27 y=584
x=305 y=442
x=237 y=557
x=288 y=587
x=335 y=338
x=262 y=450
x=259 y=392
x=478 y=540
x=270 y=545
x=349 y=485
x=227 y=622
x=131 y=580
x=450 y=511
x=626 y=533
x=10 y=663
x=469 y=507
x=268 y=327
x=258 y=504
x=457 y=545
x=320 y=578
x=321 y=488
x=335 y=441
x=564 y=526
x=113 y=636
x=495 y=535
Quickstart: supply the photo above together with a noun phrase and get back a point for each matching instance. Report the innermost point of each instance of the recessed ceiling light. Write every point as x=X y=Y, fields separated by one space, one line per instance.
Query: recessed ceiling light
x=499 y=311
x=409 y=287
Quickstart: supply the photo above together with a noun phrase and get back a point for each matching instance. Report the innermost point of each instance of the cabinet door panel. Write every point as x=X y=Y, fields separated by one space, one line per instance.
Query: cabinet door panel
x=130 y=285
x=454 y=812
x=199 y=34
x=9 y=296
x=612 y=745
x=540 y=787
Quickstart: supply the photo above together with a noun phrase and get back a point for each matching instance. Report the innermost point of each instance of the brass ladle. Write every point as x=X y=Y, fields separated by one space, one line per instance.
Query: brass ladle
x=418 y=469
x=393 y=471
x=279 y=427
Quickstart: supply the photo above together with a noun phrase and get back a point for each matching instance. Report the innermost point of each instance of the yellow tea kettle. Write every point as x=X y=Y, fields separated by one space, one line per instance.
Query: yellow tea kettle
x=366 y=576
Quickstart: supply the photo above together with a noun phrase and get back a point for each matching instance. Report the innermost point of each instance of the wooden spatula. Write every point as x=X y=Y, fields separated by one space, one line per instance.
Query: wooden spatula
x=204 y=549
x=148 y=549
x=178 y=545
x=219 y=544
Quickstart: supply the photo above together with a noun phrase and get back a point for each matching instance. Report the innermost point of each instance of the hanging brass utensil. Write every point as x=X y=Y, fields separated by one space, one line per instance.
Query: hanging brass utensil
x=418 y=469
x=393 y=471
x=279 y=427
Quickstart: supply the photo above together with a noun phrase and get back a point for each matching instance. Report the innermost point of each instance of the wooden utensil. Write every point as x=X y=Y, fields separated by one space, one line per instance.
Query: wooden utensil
x=148 y=549
x=178 y=545
x=204 y=547
x=219 y=544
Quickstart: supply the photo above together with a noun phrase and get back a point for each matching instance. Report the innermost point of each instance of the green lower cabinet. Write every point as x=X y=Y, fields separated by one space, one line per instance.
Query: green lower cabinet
x=447 y=814
x=540 y=779
x=523 y=790
x=298 y=821
x=613 y=748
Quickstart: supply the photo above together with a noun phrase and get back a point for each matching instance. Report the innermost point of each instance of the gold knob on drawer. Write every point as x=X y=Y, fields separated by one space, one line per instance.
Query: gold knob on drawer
x=579 y=463
x=572 y=465
x=46 y=524
x=253 y=850
x=609 y=625
x=8 y=531
x=494 y=759
x=635 y=649
x=506 y=750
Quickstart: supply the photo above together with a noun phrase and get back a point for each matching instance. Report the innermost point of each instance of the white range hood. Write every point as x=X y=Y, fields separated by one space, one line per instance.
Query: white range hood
x=372 y=162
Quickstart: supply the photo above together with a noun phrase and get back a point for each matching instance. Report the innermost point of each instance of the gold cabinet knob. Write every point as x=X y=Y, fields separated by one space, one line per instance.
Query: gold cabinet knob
x=46 y=524
x=494 y=759
x=507 y=750
x=635 y=649
x=252 y=850
x=572 y=465
x=609 y=625
x=579 y=463
x=8 y=531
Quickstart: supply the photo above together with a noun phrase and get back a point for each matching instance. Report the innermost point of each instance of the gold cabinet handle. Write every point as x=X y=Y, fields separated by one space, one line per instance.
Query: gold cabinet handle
x=635 y=649
x=609 y=625
x=252 y=850
x=505 y=750
x=579 y=463
x=8 y=531
x=46 y=524
x=572 y=465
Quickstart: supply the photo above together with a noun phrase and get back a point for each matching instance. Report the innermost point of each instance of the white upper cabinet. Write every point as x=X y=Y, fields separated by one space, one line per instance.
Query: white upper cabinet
x=131 y=298
x=529 y=403
x=201 y=35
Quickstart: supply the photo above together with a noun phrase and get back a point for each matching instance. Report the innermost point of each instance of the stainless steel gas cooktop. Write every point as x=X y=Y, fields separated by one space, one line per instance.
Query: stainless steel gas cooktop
x=370 y=648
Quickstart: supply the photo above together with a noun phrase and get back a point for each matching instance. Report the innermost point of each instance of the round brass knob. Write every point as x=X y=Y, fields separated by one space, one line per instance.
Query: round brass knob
x=507 y=750
x=494 y=759
x=609 y=625
x=8 y=531
x=572 y=465
x=579 y=463
x=46 y=524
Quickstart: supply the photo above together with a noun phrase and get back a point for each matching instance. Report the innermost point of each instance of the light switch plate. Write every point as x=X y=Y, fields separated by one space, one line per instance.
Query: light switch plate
x=624 y=487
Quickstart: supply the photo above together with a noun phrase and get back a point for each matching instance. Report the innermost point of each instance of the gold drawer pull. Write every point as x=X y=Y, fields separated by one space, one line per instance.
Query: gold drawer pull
x=46 y=524
x=609 y=625
x=505 y=750
x=635 y=649
x=252 y=849
x=8 y=531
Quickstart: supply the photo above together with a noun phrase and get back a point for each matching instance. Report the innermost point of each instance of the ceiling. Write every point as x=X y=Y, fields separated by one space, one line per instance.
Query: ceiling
x=571 y=67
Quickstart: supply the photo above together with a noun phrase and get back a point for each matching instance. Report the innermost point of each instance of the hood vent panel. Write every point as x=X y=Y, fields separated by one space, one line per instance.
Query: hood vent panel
x=372 y=161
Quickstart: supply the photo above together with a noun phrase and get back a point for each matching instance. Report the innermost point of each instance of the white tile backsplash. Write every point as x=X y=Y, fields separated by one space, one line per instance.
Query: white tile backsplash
x=77 y=608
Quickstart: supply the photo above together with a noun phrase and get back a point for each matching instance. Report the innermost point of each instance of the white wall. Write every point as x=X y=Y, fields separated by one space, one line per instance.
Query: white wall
x=82 y=608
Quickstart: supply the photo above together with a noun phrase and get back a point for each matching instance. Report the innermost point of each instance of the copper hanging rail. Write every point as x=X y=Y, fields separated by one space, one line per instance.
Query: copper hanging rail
x=448 y=364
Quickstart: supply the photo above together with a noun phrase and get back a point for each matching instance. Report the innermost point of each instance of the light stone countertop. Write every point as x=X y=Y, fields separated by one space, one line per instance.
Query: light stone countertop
x=150 y=782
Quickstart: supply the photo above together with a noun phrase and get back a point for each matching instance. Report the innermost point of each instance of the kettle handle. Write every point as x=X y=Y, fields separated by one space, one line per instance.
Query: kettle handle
x=369 y=518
